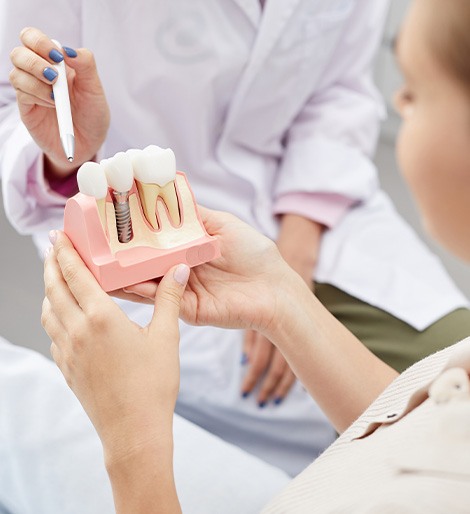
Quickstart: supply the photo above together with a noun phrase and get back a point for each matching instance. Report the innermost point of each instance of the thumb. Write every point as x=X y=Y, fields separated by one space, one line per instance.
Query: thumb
x=169 y=294
x=83 y=63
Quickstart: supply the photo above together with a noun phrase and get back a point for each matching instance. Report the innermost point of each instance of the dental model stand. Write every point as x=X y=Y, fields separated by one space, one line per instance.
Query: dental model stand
x=156 y=244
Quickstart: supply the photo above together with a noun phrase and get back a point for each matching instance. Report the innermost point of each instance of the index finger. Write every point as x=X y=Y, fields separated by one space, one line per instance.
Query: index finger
x=40 y=44
x=80 y=280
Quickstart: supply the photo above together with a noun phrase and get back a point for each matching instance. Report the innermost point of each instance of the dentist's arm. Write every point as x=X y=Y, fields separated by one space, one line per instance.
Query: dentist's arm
x=326 y=167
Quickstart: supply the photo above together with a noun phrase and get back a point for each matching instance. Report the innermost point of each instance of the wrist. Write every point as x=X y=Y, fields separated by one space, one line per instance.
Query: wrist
x=124 y=446
x=143 y=479
x=284 y=301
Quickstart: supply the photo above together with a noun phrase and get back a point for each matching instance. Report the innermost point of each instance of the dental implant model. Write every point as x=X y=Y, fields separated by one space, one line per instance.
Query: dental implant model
x=91 y=180
x=155 y=173
x=121 y=179
x=128 y=231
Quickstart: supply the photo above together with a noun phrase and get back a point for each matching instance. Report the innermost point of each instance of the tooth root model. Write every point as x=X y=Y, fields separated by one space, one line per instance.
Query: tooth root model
x=120 y=178
x=155 y=173
x=91 y=180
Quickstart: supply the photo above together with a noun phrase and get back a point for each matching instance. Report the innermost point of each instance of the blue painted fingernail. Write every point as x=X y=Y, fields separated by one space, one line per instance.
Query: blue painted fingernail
x=56 y=56
x=69 y=51
x=278 y=400
x=50 y=74
x=262 y=405
x=244 y=359
x=245 y=394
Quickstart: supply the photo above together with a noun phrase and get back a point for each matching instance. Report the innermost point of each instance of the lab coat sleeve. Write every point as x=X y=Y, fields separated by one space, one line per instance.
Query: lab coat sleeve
x=30 y=204
x=334 y=136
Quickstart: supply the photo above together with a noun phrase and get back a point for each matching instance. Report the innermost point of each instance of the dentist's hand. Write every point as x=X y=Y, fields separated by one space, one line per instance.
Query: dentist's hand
x=126 y=377
x=32 y=77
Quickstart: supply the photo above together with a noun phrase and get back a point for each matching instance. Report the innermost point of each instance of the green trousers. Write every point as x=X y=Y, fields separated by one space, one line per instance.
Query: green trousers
x=393 y=340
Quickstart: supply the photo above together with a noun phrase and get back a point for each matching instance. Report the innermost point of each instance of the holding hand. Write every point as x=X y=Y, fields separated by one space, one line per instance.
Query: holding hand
x=125 y=376
x=32 y=77
x=240 y=289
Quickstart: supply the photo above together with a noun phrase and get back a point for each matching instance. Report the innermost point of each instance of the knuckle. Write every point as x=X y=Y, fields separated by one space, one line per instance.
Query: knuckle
x=33 y=37
x=44 y=319
x=257 y=368
x=25 y=32
x=12 y=76
x=20 y=96
x=14 y=54
x=276 y=373
x=54 y=353
x=76 y=338
x=96 y=319
x=46 y=306
x=48 y=289
x=29 y=63
x=69 y=272
x=172 y=296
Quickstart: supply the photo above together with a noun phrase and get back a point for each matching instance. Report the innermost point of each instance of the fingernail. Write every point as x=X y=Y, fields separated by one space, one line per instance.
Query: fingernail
x=69 y=51
x=53 y=236
x=262 y=405
x=56 y=56
x=50 y=74
x=278 y=400
x=47 y=251
x=245 y=394
x=244 y=359
x=181 y=274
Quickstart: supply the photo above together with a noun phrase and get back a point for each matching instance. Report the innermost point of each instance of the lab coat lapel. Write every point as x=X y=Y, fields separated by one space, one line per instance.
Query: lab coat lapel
x=275 y=17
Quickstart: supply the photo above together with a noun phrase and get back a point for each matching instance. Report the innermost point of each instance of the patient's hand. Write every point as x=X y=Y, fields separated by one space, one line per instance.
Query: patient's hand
x=238 y=290
x=125 y=376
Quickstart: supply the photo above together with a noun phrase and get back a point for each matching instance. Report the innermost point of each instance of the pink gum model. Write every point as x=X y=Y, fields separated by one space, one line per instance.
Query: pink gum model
x=150 y=253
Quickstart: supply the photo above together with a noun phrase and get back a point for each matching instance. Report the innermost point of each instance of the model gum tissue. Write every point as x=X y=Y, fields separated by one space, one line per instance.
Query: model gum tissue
x=135 y=217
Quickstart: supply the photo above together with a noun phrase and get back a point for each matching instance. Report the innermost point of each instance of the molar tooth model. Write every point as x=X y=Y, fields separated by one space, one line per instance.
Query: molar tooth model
x=155 y=173
x=129 y=231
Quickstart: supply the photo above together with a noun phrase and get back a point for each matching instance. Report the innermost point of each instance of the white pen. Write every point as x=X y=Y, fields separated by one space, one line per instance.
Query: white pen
x=63 y=110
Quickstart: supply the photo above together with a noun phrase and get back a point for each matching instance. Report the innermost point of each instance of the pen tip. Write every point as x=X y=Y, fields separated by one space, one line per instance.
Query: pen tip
x=70 y=159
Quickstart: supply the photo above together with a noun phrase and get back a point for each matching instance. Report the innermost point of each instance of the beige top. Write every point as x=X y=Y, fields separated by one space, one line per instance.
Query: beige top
x=408 y=453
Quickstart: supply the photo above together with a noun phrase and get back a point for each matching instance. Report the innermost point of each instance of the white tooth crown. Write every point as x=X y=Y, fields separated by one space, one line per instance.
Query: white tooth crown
x=119 y=172
x=154 y=165
x=91 y=180
x=133 y=153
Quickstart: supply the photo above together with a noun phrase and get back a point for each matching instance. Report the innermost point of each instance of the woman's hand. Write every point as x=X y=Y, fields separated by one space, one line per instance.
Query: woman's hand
x=298 y=242
x=240 y=289
x=32 y=77
x=125 y=376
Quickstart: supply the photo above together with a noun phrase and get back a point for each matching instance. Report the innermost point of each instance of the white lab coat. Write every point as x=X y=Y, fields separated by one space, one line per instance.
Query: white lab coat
x=255 y=108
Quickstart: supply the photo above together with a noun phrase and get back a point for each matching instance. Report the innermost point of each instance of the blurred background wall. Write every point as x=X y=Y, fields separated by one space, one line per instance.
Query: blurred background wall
x=21 y=287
